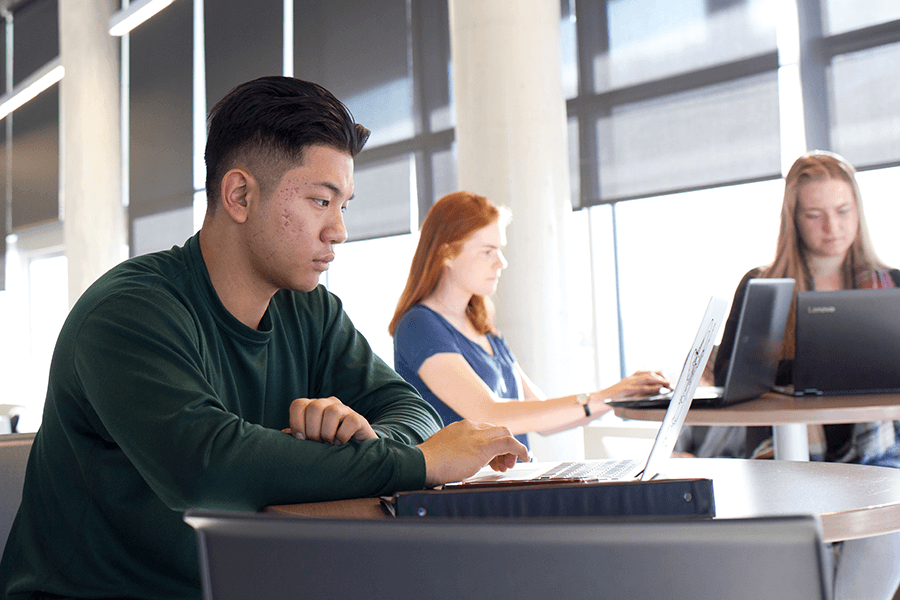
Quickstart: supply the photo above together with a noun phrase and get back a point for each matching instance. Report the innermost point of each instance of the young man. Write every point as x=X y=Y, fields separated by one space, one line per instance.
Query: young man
x=221 y=375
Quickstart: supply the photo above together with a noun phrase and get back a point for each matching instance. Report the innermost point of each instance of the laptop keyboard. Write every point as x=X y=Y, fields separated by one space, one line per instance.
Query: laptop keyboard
x=592 y=470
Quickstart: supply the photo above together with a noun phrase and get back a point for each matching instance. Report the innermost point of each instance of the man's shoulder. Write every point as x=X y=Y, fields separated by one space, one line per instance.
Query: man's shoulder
x=161 y=277
x=147 y=268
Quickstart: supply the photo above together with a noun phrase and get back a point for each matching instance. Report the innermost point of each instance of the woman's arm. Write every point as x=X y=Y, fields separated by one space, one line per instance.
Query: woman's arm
x=451 y=379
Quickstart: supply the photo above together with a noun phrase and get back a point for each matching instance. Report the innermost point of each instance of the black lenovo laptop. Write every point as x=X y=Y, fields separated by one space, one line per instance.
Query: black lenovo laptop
x=754 y=358
x=847 y=342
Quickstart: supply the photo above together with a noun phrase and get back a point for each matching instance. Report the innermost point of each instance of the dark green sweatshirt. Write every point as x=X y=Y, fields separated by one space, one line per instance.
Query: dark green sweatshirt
x=159 y=400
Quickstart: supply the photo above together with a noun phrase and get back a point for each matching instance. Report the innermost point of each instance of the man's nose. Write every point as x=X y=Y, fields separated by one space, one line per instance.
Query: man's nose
x=335 y=232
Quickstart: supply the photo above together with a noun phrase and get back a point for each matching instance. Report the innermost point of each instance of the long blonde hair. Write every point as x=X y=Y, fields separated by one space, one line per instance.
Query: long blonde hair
x=790 y=253
x=450 y=222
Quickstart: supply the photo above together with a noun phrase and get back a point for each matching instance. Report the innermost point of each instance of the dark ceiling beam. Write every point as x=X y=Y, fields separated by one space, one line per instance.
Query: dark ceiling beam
x=11 y=6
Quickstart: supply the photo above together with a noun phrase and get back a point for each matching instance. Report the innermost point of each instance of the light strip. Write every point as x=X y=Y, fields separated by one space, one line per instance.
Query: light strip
x=33 y=85
x=134 y=14
x=287 y=68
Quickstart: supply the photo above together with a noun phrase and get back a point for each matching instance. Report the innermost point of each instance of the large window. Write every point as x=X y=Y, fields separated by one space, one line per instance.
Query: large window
x=676 y=122
x=33 y=291
x=33 y=307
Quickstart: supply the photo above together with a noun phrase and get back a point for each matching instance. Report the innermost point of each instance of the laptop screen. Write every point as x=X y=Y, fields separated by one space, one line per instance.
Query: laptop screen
x=683 y=392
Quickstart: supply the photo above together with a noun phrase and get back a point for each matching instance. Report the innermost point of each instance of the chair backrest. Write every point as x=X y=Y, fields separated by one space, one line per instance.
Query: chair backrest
x=14 y=449
x=277 y=556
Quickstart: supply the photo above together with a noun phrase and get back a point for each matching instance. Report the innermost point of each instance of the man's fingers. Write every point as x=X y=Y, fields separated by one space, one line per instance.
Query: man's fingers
x=513 y=449
x=351 y=427
x=312 y=421
x=297 y=417
x=331 y=421
x=328 y=420
x=503 y=462
x=460 y=449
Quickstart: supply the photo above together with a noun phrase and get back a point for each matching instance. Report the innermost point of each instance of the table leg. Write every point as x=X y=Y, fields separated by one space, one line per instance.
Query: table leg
x=791 y=442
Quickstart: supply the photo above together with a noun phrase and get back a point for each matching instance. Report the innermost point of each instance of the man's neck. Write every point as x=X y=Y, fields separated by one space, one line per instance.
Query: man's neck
x=240 y=296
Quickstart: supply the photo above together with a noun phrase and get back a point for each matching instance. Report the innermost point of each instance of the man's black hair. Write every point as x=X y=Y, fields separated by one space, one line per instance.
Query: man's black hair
x=267 y=123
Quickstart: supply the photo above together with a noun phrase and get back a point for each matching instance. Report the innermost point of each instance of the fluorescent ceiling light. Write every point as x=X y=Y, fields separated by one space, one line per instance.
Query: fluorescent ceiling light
x=134 y=14
x=33 y=85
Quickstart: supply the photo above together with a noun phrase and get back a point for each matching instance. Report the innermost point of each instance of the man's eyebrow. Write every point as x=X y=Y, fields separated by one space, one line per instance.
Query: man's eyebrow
x=334 y=189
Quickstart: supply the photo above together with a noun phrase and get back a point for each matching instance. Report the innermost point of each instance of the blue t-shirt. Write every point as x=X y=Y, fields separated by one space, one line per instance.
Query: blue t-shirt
x=422 y=333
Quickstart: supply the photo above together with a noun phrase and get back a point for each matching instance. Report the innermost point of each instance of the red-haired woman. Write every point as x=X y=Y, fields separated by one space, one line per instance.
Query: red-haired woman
x=445 y=341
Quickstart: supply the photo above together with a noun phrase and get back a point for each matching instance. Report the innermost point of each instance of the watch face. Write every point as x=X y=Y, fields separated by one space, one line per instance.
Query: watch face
x=583 y=399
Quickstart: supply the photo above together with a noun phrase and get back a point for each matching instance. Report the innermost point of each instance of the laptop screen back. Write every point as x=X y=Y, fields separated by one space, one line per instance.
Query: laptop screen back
x=758 y=339
x=848 y=341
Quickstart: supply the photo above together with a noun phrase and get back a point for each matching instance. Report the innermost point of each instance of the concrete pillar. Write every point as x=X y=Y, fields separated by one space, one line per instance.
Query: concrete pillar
x=94 y=225
x=511 y=147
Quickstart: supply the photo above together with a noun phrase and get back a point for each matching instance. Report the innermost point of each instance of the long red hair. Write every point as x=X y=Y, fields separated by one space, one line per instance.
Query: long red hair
x=450 y=222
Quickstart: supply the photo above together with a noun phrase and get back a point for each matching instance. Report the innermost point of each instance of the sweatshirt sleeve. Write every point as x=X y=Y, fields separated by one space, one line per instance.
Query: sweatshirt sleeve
x=348 y=369
x=143 y=379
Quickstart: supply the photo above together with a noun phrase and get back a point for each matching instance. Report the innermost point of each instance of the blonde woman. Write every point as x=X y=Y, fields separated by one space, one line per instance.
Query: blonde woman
x=824 y=245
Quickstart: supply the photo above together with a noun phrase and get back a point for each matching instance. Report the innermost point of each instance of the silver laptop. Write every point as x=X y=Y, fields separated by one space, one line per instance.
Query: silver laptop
x=753 y=363
x=628 y=468
x=847 y=342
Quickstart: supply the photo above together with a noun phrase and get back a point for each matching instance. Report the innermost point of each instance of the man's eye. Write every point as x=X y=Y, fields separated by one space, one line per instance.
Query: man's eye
x=322 y=203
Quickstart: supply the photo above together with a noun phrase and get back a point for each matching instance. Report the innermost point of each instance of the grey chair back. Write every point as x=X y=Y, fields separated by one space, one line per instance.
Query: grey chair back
x=278 y=556
x=14 y=450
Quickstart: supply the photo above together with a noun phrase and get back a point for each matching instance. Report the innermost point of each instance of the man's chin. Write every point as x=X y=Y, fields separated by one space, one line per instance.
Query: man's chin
x=304 y=287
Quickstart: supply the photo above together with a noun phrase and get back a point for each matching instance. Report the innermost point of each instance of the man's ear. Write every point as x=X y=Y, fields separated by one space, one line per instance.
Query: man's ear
x=239 y=190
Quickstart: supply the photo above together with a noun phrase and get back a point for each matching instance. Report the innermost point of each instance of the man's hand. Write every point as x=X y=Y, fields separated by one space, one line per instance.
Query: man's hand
x=327 y=420
x=460 y=449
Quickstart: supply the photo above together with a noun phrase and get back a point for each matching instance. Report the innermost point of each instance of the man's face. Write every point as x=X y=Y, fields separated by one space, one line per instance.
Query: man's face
x=293 y=230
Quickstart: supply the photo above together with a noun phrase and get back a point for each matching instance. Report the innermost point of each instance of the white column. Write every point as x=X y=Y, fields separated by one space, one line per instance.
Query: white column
x=94 y=224
x=511 y=147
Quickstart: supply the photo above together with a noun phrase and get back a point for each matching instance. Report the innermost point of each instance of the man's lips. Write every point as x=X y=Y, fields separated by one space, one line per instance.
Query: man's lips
x=324 y=260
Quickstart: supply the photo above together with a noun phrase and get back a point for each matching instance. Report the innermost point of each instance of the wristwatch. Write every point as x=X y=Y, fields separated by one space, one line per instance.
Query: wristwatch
x=583 y=400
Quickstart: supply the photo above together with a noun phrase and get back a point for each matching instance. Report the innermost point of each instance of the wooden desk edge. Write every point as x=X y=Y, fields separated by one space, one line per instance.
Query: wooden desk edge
x=357 y=508
x=780 y=409
x=835 y=527
x=849 y=525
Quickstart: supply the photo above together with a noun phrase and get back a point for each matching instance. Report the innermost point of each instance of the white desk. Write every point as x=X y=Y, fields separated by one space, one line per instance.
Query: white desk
x=787 y=415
